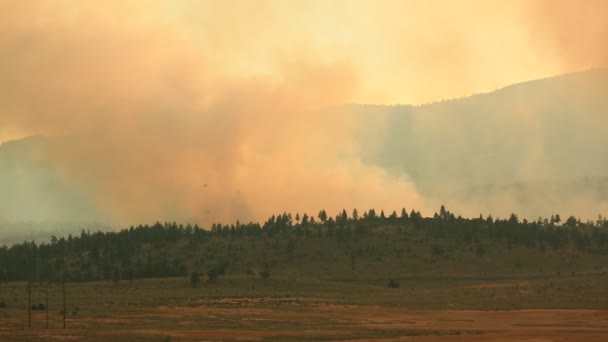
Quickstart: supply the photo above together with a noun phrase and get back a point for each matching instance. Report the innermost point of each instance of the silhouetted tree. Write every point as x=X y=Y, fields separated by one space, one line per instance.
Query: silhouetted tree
x=305 y=219
x=404 y=214
x=322 y=216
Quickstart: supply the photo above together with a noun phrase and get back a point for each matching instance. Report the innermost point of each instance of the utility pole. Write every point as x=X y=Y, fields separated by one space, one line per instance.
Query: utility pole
x=64 y=308
x=29 y=304
x=46 y=306
x=241 y=260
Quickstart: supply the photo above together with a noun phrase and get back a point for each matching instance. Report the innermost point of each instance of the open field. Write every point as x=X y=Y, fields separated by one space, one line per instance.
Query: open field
x=556 y=308
x=450 y=279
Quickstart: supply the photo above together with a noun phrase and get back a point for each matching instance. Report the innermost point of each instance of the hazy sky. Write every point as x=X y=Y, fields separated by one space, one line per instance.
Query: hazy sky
x=159 y=98
x=378 y=52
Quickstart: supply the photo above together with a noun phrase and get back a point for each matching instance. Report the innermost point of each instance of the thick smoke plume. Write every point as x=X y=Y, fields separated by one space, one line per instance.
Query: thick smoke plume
x=574 y=31
x=224 y=110
x=150 y=125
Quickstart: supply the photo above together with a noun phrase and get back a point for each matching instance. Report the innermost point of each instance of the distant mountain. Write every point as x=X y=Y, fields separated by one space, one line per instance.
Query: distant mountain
x=537 y=147
x=534 y=148
x=32 y=184
x=35 y=199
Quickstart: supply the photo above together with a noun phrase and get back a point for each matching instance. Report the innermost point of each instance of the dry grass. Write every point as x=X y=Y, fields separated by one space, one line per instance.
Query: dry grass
x=289 y=308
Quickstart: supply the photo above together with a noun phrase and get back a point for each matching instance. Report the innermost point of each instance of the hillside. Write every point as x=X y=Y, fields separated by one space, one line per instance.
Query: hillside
x=534 y=148
x=33 y=189
x=368 y=246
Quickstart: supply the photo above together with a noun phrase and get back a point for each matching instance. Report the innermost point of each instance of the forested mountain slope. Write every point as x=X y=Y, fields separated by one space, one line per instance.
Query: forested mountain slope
x=535 y=148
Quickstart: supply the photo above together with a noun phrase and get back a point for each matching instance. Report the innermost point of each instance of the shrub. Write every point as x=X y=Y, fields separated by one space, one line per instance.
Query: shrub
x=266 y=272
x=216 y=271
x=38 y=307
x=291 y=246
x=436 y=250
x=194 y=279
x=393 y=284
x=480 y=251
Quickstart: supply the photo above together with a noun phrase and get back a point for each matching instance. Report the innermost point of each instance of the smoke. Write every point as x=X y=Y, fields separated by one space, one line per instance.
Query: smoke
x=224 y=110
x=574 y=31
x=153 y=122
x=534 y=148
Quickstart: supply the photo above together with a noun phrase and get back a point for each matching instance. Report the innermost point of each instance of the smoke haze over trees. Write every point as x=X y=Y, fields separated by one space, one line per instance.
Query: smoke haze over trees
x=137 y=111
x=533 y=148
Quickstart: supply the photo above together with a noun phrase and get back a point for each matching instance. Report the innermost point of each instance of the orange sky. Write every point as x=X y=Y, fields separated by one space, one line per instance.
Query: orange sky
x=221 y=91
x=390 y=51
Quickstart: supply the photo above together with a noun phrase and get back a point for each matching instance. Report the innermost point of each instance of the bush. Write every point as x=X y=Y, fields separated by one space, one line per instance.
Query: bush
x=116 y=276
x=436 y=250
x=291 y=246
x=480 y=251
x=393 y=284
x=38 y=307
x=266 y=272
x=216 y=271
x=194 y=279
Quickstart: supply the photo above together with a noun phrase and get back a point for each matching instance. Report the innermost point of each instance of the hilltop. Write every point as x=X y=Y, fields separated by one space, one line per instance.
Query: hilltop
x=535 y=148
x=356 y=246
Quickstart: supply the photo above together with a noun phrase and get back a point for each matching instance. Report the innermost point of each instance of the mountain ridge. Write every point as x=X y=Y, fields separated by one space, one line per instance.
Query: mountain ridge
x=510 y=150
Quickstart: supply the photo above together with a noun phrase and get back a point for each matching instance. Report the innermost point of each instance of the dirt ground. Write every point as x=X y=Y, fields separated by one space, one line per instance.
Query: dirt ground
x=268 y=320
x=280 y=309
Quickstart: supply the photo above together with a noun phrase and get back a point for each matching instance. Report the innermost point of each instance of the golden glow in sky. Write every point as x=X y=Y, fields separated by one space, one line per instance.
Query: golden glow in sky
x=231 y=93
x=399 y=51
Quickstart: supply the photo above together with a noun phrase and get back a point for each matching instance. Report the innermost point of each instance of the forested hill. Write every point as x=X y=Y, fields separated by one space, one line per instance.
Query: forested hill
x=369 y=245
x=534 y=148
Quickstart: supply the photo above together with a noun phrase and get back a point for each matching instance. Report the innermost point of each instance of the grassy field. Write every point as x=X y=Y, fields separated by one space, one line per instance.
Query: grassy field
x=445 y=287
x=310 y=309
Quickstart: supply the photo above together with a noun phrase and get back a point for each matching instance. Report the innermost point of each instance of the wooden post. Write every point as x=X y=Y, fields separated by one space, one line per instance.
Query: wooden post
x=241 y=260
x=46 y=306
x=29 y=304
x=64 y=308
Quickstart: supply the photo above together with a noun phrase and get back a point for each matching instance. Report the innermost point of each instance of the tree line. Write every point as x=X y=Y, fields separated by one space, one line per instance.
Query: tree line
x=172 y=250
